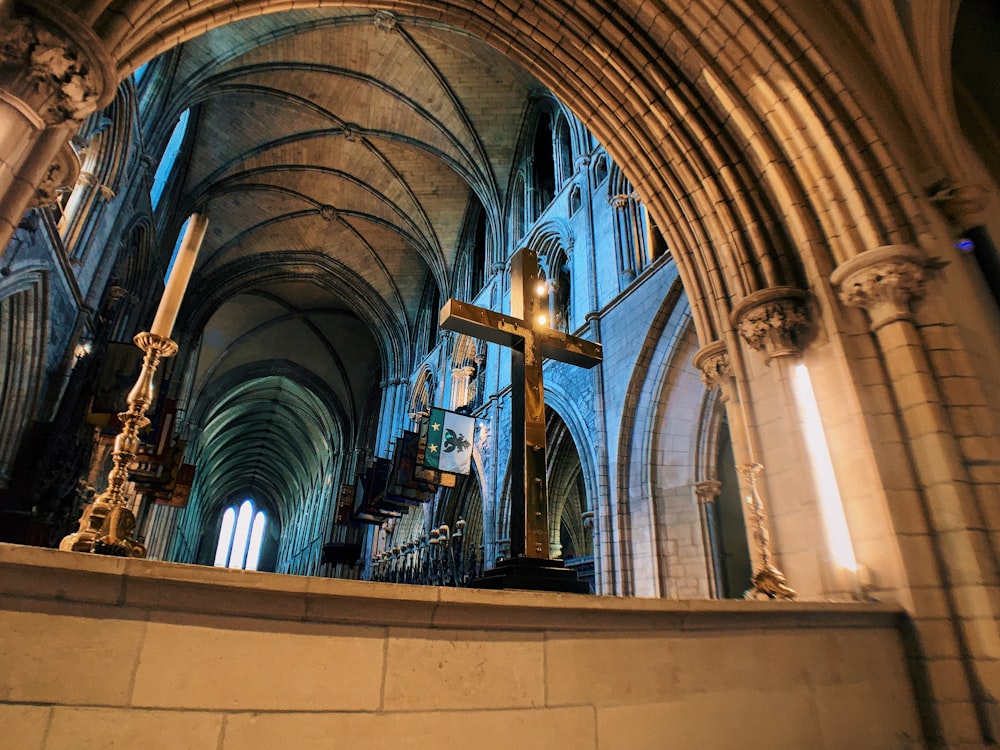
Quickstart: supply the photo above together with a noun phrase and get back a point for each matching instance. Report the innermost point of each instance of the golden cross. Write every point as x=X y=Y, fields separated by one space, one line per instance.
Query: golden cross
x=530 y=340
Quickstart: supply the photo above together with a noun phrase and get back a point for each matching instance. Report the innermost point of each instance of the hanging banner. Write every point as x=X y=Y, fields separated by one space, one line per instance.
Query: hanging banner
x=424 y=474
x=449 y=441
x=405 y=484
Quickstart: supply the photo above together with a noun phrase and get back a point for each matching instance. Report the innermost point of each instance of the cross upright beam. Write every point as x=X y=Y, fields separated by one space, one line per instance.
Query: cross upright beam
x=529 y=340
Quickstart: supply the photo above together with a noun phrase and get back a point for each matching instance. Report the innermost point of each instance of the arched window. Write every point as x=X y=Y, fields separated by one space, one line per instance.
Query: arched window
x=544 y=166
x=240 y=537
x=169 y=157
x=140 y=72
x=563 y=151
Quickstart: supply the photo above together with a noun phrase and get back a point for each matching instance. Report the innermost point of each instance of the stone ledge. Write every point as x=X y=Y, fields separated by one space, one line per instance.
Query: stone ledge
x=37 y=574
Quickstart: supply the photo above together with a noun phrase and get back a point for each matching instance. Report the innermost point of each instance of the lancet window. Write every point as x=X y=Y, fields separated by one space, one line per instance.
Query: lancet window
x=165 y=168
x=240 y=537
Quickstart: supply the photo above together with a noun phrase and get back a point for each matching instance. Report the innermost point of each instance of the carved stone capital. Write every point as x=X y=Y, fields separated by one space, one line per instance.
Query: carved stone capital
x=716 y=369
x=58 y=68
x=707 y=491
x=62 y=173
x=884 y=282
x=773 y=320
x=582 y=162
x=618 y=202
x=106 y=193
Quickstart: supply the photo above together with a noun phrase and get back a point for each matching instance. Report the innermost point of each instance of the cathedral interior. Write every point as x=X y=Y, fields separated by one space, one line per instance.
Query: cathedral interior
x=776 y=218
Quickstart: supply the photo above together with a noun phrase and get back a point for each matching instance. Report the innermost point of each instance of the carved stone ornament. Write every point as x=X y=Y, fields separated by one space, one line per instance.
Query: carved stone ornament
x=707 y=491
x=773 y=320
x=53 y=75
x=884 y=282
x=328 y=213
x=716 y=369
x=963 y=205
x=384 y=20
x=618 y=202
x=62 y=173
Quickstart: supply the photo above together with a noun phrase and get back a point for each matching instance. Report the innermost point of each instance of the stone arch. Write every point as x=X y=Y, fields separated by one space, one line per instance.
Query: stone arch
x=714 y=201
x=24 y=320
x=717 y=491
x=638 y=533
x=422 y=394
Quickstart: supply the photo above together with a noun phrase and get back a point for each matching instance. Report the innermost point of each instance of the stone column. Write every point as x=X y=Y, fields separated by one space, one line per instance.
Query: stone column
x=706 y=493
x=80 y=215
x=53 y=73
x=885 y=283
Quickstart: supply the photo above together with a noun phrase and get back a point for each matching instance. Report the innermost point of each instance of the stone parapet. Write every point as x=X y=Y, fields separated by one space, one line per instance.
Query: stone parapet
x=187 y=656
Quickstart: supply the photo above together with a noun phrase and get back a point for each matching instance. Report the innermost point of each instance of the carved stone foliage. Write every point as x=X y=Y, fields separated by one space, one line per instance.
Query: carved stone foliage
x=716 y=369
x=773 y=320
x=884 y=282
x=50 y=73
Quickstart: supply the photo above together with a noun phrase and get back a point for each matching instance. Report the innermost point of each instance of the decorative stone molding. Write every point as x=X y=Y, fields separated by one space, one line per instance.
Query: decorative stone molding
x=716 y=369
x=384 y=20
x=884 y=282
x=63 y=74
x=582 y=162
x=773 y=320
x=962 y=205
x=328 y=213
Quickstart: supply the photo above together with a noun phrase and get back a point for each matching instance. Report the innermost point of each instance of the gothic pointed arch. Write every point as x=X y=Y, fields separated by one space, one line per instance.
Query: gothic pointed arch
x=24 y=321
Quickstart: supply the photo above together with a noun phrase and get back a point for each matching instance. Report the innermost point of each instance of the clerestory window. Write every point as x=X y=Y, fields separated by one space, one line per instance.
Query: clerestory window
x=169 y=157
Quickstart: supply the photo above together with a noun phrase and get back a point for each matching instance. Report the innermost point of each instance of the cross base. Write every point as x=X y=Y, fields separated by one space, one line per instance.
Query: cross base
x=533 y=574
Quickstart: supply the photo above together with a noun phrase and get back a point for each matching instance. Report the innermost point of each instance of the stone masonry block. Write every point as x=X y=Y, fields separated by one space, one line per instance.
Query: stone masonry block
x=462 y=669
x=201 y=663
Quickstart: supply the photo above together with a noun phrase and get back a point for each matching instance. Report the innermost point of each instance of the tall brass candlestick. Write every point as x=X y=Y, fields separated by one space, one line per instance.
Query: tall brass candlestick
x=107 y=526
x=768 y=582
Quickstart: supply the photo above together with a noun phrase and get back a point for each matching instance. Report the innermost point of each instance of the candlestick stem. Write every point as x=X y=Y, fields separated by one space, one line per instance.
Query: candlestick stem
x=768 y=582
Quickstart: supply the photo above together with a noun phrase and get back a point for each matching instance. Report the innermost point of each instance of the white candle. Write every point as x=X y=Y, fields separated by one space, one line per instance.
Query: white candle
x=180 y=274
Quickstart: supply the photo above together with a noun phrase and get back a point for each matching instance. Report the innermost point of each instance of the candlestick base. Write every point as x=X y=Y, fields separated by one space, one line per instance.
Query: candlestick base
x=105 y=529
x=769 y=583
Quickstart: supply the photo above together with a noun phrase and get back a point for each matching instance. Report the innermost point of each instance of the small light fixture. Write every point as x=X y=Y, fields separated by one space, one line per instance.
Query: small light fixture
x=541 y=290
x=542 y=320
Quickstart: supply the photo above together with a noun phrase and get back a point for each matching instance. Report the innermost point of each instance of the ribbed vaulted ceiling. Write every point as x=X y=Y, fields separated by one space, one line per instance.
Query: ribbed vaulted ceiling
x=337 y=153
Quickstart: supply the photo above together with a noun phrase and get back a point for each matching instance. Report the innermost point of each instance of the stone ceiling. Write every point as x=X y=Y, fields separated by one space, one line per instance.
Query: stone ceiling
x=336 y=153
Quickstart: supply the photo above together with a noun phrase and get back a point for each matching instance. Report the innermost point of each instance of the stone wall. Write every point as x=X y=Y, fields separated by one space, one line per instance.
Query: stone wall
x=102 y=652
